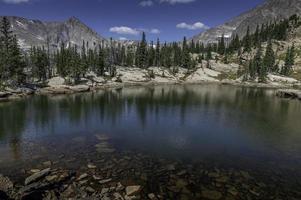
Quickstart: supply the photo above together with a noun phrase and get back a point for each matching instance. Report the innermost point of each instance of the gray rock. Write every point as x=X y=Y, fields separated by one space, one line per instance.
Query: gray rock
x=83 y=176
x=105 y=181
x=4 y=94
x=212 y=194
x=132 y=190
x=295 y=94
x=36 y=176
x=5 y=184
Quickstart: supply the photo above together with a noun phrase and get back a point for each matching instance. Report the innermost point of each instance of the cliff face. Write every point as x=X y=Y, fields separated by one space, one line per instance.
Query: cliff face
x=39 y=33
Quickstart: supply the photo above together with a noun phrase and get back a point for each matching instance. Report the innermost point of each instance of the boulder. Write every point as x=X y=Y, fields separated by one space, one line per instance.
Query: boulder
x=56 y=81
x=295 y=94
x=6 y=185
x=37 y=176
x=4 y=94
x=132 y=190
x=80 y=88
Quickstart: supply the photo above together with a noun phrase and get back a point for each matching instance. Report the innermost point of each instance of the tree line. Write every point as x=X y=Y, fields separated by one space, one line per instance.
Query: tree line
x=72 y=61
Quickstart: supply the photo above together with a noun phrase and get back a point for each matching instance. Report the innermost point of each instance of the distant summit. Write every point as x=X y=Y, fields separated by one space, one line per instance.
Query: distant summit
x=52 y=34
x=269 y=11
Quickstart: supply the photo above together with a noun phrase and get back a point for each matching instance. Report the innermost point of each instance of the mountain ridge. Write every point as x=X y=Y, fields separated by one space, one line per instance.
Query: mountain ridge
x=33 y=32
x=264 y=13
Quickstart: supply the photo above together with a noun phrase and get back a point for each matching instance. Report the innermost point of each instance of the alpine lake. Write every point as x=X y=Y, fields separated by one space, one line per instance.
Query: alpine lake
x=172 y=142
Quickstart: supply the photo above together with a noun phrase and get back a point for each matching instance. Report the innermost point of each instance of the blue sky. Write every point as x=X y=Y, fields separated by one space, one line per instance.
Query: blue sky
x=170 y=20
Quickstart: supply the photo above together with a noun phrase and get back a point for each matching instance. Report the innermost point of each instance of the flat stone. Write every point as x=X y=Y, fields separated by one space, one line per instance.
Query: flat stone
x=211 y=194
x=90 y=189
x=105 y=190
x=34 y=170
x=102 y=137
x=51 y=178
x=152 y=196
x=119 y=187
x=96 y=177
x=91 y=166
x=105 y=181
x=117 y=196
x=170 y=167
x=47 y=163
x=233 y=191
x=37 y=176
x=83 y=176
x=132 y=190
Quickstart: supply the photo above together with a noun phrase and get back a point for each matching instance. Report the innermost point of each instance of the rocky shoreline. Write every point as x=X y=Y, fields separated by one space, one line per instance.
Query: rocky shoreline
x=110 y=174
x=284 y=90
x=126 y=77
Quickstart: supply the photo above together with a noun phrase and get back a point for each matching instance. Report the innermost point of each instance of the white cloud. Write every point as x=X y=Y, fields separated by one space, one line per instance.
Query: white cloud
x=146 y=3
x=155 y=31
x=15 y=1
x=195 y=26
x=123 y=38
x=176 y=1
x=124 y=30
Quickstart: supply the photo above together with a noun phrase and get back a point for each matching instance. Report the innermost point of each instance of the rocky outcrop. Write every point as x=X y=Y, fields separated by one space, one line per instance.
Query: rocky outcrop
x=294 y=94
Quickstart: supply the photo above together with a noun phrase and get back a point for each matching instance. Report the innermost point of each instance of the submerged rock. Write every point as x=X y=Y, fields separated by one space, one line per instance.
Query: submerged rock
x=37 y=176
x=211 y=194
x=6 y=185
x=132 y=190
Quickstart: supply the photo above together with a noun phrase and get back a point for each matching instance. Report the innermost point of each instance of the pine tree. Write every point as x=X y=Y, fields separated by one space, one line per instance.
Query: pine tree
x=209 y=52
x=16 y=62
x=158 y=53
x=247 y=41
x=151 y=55
x=39 y=62
x=269 y=58
x=259 y=66
x=256 y=38
x=6 y=38
x=84 y=64
x=289 y=61
x=142 y=52
x=221 y=45
x=185 y=55
x=100 y=62
x=252 y=70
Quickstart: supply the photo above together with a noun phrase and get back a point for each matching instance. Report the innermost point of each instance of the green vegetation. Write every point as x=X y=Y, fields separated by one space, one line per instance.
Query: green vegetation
x=73 y=62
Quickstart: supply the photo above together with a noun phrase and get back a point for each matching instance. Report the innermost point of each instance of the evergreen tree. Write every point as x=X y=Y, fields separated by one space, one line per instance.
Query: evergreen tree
x=221 y=45
x=185 y=55
x=256 y=37
x=142 y=52
x=39 y=62
x=158 y=53
x=269 y=58
x=289 y=61
x=259 y=66
x=100 y=63
x=16 y=62
x=252 y=70
x=247 y=41
x=84 y=64
x=209 y=52
x=151 y=55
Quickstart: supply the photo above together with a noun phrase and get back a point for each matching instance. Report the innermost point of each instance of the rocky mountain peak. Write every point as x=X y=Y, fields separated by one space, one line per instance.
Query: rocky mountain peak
x=269 y=11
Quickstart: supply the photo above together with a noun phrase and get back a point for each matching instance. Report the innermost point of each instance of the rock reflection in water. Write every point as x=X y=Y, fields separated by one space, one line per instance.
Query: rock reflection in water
x=162 y=142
